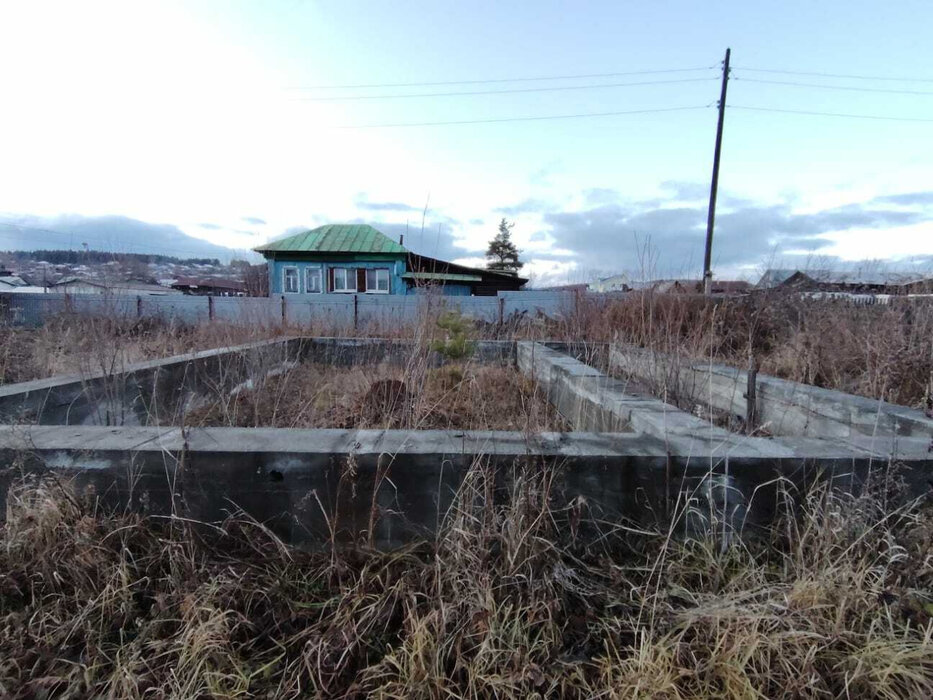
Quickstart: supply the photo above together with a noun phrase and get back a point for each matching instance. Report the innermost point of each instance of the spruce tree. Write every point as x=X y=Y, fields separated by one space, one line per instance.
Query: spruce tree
x=502 y=253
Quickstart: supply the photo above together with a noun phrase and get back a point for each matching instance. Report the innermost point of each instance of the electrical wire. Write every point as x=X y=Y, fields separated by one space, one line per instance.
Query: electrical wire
x=829 y=114
x=560 y=88
x=834 y=87
x=579 y=76
x=836 y=75
x=523 y=119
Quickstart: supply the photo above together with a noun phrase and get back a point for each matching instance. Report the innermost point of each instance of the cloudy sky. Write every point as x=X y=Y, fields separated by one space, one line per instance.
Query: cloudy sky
x=218 y=119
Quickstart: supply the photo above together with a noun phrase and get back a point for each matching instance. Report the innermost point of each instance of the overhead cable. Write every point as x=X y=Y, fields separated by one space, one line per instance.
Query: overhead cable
x=559 y=88
x=523 y=119
x=578 y=76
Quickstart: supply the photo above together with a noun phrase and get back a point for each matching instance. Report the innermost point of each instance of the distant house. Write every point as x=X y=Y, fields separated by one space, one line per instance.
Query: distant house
x=730 y=286
x=579 y=288
x=14 y=284
x=209 y=286
x=624 y=283
x=9 y=281
x=77 y=285
x=359 y=259
x=614 y=283
x=853 y=281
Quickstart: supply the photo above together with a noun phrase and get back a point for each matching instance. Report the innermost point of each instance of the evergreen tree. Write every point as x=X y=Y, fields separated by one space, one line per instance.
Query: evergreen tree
x=502 y=253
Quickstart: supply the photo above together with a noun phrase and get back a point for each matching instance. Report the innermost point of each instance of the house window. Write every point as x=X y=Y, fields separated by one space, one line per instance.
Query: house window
x=290 y=280
x=377 y=281
x=344 y=279
x=313 y=280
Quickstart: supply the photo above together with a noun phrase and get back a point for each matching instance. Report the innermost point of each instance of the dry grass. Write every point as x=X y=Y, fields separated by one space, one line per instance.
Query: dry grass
x=874 y=351
x=835 y=603
x=462 y=396
x=881 y=352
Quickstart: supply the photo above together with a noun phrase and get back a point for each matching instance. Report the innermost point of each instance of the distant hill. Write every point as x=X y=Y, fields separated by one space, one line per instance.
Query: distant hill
x=112 y=234
x=87 y=257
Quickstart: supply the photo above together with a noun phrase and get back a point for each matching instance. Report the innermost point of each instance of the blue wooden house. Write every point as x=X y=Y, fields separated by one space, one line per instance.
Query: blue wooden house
x=359 y=259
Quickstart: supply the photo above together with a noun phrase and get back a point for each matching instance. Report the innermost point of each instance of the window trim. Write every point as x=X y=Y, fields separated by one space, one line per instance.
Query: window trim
x=347 y=278
x=320 y=279
x=285 y=270
x=376 y=289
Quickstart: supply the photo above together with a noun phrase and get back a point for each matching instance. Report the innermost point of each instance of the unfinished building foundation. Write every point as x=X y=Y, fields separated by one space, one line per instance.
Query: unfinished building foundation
x=628 y=457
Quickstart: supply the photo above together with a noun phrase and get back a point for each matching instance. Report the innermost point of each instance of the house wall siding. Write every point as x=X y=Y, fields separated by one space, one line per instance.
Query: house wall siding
x=277 y=270
x=397 y=285
x=449 y=289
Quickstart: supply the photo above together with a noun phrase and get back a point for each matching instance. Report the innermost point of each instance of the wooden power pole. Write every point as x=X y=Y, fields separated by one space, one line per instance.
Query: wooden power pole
x=714 y=185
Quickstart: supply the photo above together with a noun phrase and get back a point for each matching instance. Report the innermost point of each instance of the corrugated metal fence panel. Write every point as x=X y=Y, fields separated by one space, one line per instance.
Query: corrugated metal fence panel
x=178 y=308
x=29 y=309
x=330 y=310
x=483 y=308
x=388 y=310
x=99 y=305
x=259 y=311
x=532 y=303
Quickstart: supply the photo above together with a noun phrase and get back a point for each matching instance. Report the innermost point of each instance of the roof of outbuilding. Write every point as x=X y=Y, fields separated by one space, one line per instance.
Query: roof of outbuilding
x=335 y=238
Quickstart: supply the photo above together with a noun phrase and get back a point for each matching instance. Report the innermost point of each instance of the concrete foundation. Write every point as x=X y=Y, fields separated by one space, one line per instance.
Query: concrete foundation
x=782 y=407
x=631 y=456
x=159 y=391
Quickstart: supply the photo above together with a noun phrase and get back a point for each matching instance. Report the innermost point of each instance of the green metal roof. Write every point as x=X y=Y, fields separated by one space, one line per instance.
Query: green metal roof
x=335 y=238
x=446 y=276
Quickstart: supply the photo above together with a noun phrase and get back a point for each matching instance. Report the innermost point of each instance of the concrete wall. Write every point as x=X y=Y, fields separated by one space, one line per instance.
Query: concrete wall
x=160 y=391
x=312 y=487
x=782 y=406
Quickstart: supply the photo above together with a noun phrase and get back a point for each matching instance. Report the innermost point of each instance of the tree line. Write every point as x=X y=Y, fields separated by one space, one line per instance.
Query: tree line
x=77 y=257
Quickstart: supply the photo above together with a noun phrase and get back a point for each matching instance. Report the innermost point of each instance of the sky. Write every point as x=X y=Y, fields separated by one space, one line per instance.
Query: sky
x=218 y=119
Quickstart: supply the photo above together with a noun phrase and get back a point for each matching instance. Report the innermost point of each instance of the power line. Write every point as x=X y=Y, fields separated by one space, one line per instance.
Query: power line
x=559 y=88
x=834 y=87
x=523 y=119
x=831 y=114
x=578 y=76
x=838 y=75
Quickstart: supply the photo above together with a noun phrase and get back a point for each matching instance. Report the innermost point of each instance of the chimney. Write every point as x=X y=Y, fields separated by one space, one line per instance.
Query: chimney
x=401 y=239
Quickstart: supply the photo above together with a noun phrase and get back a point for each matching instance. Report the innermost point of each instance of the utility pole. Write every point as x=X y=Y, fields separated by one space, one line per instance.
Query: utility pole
x=714 y=185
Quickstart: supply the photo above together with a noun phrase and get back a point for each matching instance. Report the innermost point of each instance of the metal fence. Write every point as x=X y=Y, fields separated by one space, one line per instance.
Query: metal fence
x=350 y=310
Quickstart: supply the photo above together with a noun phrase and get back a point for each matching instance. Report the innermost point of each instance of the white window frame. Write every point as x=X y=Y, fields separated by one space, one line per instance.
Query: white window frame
x=309 y=271
x=285 y=278
x=349 y=275
x=378 y=271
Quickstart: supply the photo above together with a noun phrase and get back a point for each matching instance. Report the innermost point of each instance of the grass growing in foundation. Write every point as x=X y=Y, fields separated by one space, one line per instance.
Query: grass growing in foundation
x=456 y=396
x=833 y=602
x=883 y=351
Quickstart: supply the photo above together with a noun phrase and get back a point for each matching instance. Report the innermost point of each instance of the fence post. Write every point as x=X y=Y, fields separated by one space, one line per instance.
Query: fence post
x=356 y=311
x=210 y=308
x=284 y=315
x=139 y=307
x=501 y=311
